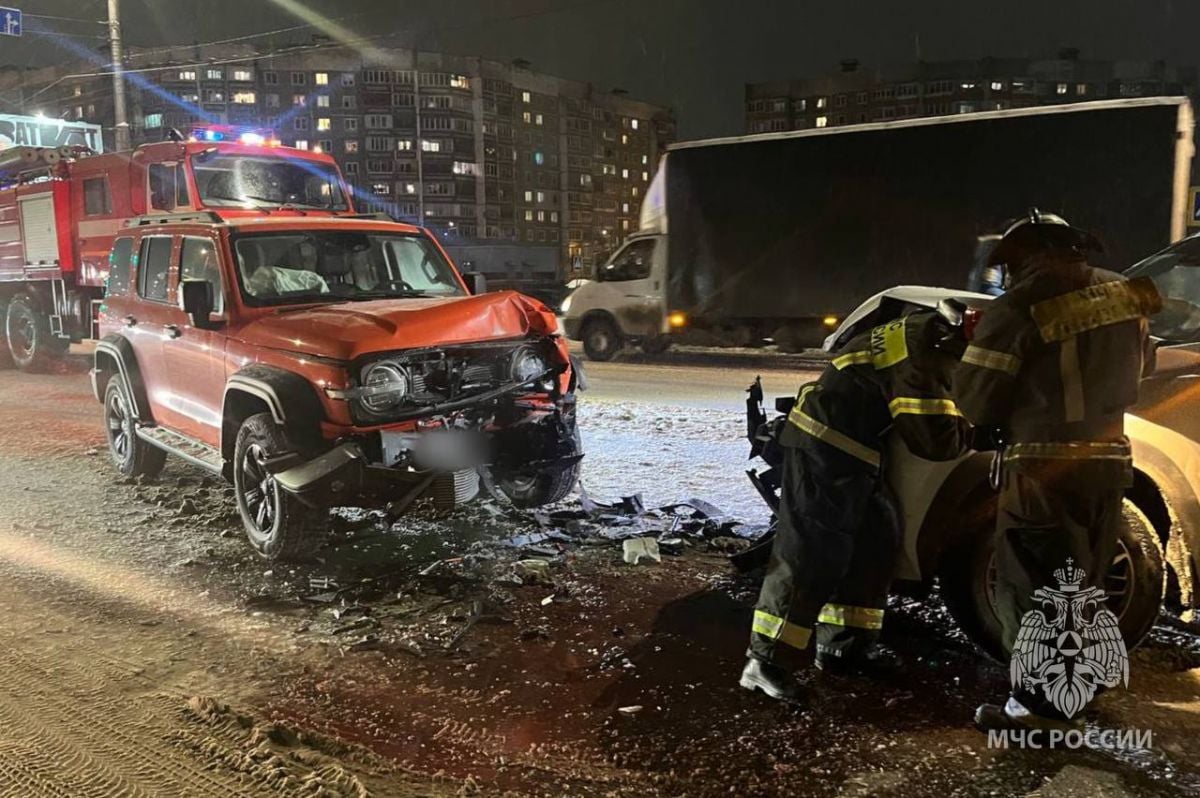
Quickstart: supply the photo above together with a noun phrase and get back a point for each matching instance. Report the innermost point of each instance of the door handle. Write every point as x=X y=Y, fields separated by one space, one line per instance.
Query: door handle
x=172 y=331
x=130 y=321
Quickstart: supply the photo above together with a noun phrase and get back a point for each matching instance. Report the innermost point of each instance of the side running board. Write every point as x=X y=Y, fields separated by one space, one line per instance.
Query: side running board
x=193 y=451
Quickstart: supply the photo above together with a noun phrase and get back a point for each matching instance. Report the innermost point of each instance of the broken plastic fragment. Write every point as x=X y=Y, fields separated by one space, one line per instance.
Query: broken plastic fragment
x=637 y=548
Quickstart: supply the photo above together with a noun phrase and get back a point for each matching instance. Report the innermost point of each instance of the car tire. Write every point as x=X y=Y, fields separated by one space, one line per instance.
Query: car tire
x=656 y=344
x=1135 y=583
x=278 y=525
x=31 y=345
x=545 y=487
x=6 y=361
x=132 y=456
x=601 y=339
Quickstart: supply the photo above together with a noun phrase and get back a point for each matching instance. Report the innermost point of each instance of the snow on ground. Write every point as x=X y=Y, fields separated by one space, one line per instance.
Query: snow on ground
x=668 y=453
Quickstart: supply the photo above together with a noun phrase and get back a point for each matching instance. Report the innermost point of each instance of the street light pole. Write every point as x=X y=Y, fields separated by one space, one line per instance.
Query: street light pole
x=118 y=58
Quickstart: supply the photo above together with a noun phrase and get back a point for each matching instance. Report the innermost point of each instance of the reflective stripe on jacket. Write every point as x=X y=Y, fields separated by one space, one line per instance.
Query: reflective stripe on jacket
x=891 y=377
x=1058 y=357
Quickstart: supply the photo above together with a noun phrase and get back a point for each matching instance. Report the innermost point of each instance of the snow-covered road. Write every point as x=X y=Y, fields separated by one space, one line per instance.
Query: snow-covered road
x=673 y=432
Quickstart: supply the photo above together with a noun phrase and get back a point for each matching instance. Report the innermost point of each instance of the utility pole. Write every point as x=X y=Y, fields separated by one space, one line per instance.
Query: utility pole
x=419 y=143
x=118 y=67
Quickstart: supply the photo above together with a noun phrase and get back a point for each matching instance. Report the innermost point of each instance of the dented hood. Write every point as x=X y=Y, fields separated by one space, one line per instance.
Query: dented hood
x=351 y=329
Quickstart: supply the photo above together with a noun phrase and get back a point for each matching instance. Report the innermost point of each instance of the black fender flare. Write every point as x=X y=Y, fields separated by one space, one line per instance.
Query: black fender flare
x=114 y=355
x=289 y=397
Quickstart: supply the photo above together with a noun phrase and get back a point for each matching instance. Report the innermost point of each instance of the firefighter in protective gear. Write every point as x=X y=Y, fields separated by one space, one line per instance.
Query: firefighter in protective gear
x=1053 y=364
x=837 y=537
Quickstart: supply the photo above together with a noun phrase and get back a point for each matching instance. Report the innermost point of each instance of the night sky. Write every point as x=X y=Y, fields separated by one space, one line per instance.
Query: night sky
x=693 y=55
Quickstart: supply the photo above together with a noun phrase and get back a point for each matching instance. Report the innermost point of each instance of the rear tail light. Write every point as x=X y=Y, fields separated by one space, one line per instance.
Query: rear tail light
x=970 y=320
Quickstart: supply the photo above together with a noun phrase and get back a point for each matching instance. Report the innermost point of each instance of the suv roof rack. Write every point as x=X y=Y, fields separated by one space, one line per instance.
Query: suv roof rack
x=207 y=217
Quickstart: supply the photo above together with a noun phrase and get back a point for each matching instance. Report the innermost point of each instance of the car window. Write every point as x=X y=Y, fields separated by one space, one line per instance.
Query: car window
x=118 y=267
x=631 y=263
x=1176 y=273
x=162 y=186
x=198 y=261
x=317 y=265
x=96 y=200
x=415 y=265
x=154 y=266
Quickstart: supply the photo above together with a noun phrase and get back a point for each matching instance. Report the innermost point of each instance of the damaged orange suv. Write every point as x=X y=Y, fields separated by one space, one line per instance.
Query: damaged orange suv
x=322 y=361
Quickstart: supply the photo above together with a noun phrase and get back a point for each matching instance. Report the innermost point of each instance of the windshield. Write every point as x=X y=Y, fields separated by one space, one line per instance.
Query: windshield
x=266 y=181
x=335 y=265
x=1176 y=272
x=631 y=263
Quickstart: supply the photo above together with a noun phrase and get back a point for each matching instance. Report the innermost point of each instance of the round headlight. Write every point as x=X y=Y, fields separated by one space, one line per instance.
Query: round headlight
x=384 y=386
x=527 y=364
x=565 y=306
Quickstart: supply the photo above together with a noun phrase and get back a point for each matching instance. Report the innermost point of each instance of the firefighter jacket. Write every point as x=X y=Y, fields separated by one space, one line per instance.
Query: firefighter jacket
x=1058 y=358
x=890 y=378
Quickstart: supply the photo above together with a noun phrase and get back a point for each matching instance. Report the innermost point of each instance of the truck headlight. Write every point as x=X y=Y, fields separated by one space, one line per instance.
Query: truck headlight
x=527 y=364
x=384 y=386
x=564 y=307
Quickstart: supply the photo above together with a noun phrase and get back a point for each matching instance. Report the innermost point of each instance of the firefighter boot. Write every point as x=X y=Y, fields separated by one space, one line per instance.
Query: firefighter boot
x=774 y=681
x=1013 y=715
x=878 y=661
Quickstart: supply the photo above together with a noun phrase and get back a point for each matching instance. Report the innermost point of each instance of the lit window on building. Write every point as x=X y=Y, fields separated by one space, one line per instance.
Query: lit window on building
x=822 y=121
x=526 y=117
x=624 y=139
x=538 y=119
x=541 y=197
x=244 y=97
x=645 y=160
x=428 y=145
x=633 y=123
x=459 y=82
x=624 y=174
x=967 y=86
x=525 y=97
x=1081 y=89
x=324 y=123
x=997 y=85
x=404 y=144
x=554 y=216
x=150 y=120
x=299 y=100
x=539 y=158
x=822 y=102
x=301 y=144
x=213 y=74
x=529 y=196
x=529 y=216
x=321 y=78
x=382 y=189
x=410 y=188
x=323 y=101
x=541 y=216
x=645 y=177
x=187 y=74
x=351 y=145
x=243 y=74
x=1061 y=88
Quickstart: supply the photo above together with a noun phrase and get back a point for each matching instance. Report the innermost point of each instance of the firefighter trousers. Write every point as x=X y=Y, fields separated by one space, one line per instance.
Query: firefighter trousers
x=1048 y=512
x=832 y=561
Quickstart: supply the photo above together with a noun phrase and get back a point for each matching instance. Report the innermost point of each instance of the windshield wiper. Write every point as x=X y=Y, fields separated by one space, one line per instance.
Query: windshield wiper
x=388 y=295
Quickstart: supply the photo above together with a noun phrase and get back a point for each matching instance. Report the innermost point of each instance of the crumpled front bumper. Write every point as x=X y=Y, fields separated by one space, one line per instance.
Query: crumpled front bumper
x=344 y=475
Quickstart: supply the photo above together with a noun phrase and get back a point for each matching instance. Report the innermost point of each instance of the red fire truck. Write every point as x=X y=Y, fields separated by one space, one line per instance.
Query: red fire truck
x=60 y=209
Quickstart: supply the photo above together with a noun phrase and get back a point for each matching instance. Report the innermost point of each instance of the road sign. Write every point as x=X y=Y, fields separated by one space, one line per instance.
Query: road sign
x=10 y=21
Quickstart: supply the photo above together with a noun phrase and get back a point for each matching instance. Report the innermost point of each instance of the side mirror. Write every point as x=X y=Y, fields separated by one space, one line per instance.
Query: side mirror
x=476 y=282
x=198 y=302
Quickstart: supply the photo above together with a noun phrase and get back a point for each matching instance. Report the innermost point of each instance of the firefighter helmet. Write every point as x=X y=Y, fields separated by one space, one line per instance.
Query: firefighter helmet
x=1039 y=232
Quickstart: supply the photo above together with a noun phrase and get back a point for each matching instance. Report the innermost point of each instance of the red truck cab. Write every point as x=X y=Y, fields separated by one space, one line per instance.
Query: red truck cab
x=60 y=210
